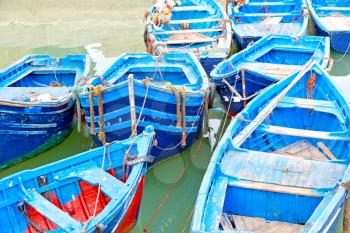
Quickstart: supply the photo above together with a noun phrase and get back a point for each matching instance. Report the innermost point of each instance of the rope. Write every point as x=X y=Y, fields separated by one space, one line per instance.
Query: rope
x=102 y=79
x=75 y=94
x=101 y=134
x=226 y=116
x=176 y=93
x=343 y=56
x=98 y=189
x=206 y=114
x=146 y=82
x=310 y=86
x=173 y=186
x=92 y=112
x=190 y=131
x=183 y=93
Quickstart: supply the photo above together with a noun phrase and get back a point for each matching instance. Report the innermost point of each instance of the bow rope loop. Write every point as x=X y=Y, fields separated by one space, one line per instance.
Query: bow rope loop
x=183 y=93
x=101 y=134
x=178 y=112
x=92 y=112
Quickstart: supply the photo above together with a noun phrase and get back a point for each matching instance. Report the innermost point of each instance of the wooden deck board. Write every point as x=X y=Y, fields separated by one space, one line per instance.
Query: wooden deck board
x=260 y=225
x=304 y=150
x=335 y=23
x=281 y=173
x=280 y=71
x=225 y=222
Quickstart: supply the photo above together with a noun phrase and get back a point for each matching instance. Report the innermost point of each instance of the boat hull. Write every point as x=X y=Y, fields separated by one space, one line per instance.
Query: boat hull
x=210 y=63
x=208 y=21
x=339 y=40
x=29 y=131
x=98 y=190
x=159 y=110
x=262 y=64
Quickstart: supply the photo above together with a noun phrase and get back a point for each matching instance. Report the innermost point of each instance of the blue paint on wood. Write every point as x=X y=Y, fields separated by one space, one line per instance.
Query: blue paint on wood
x=275 y=185
x=36 y=104
x=256 y=60
x=179 y=69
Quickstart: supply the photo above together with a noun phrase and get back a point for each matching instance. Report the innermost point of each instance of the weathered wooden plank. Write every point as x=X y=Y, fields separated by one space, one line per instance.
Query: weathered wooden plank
x=304 y=133
x=325 y=150
x=260 y=225
x=195 y=20
x=239 y=223
x=276 y=188
x=189 y=41
x=190 y=8
x=225 y=223
x=189 y=31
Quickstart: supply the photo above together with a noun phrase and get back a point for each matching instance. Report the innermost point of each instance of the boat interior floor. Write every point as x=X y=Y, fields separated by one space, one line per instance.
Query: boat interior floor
x=189 y=38
x=279 y=71
x=259 y=29
x=335 y=23
x=256 y=225
x=303 y=149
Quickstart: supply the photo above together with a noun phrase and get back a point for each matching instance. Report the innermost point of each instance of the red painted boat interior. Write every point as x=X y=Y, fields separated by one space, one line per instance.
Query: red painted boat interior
x=82 y=207
x=129 y=219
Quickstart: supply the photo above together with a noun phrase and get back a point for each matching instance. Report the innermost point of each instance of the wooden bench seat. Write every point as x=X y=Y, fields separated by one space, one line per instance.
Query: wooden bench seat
x=280 y=173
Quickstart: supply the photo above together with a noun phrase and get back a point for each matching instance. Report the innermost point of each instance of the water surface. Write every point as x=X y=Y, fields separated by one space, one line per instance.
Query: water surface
x=104 y=30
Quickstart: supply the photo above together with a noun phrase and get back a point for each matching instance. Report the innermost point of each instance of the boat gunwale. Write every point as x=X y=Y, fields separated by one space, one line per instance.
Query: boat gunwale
x=321 y=220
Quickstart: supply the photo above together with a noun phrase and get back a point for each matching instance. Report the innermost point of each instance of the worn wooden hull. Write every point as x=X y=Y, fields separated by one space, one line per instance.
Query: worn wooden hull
x=36 y=105
x=155 y=104
x=209 y=33
x=95 y=190
x=279 y=166
x=332 y=19
x=271 y=59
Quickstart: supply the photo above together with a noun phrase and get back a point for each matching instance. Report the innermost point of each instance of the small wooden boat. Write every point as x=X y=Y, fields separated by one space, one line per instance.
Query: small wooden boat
x=96 y=191
x=138 y=90
x=258 y=18
x=36 y=104
x=332 y=19
x=241 y=77
x=283 y=162
x=200 y=27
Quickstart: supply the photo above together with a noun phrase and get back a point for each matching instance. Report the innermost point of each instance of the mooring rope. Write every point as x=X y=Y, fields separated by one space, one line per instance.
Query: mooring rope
x=176 y=93
x=75 y=93
x=183 y=93
x=98 y=188
x=92 y=112
x=173 y=186
x=200 y=109
x=101 y=134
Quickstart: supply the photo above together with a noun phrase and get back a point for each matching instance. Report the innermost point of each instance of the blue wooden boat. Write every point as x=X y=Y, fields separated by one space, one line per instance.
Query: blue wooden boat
x=138 y=90
x=197 y=26
x=259 y=18
x=36 y=104
x=274 y=57
x=96 y=191
x=332 y=18
x=282 y=163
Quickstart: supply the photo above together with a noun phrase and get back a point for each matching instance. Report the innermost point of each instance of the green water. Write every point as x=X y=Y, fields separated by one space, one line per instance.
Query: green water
x=105 y=29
